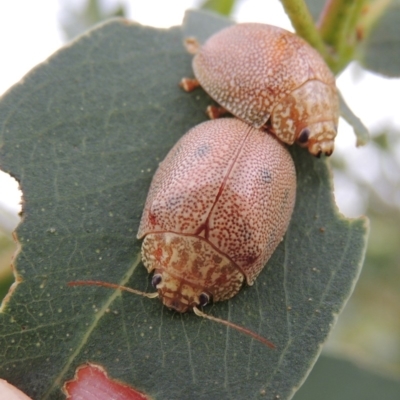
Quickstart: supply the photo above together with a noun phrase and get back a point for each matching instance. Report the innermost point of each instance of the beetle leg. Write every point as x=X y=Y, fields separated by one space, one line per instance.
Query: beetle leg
x=192 y=45
x=215 y=112
x=189 y=84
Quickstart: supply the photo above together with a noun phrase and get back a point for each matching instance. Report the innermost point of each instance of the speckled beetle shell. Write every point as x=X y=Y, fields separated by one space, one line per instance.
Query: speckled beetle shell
x=218 y=206
x=271 y=78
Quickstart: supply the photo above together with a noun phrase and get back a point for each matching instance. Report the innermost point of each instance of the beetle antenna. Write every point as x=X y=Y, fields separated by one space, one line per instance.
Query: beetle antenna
x=237 y=327
x=195 y=309
x=113 y=286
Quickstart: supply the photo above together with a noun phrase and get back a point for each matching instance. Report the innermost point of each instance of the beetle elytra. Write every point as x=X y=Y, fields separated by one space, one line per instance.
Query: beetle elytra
x=217 y=208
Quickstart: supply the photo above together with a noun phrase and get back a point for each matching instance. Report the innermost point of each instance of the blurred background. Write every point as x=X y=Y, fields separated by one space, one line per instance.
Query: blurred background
x=367 y=179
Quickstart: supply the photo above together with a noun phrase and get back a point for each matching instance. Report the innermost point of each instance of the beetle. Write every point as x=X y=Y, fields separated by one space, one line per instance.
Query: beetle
x=218 y=206
x=271 y=79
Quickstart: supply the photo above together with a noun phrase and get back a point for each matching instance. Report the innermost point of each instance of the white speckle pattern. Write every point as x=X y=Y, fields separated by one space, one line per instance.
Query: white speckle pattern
x=250 y=69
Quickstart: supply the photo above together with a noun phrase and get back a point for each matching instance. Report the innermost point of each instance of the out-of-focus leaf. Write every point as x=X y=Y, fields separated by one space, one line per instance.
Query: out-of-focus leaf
x=84 y=133
x=8 y=220
x=381 y=52
x=6 y=280
x=7 y=250
x=202 y=24
x=315 y=7
x=335 y=378
x=75 y=19
x=360 y=130
x=223 y=7
x=382 y=141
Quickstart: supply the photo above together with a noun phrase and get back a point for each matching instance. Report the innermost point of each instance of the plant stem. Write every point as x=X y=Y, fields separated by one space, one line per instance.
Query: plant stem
x=333 y=17
x=373 y=12
x=304 y=25
x=337 y=26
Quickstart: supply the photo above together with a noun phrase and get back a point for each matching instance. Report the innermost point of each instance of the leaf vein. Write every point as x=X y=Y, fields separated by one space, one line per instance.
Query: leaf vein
x=59 y=378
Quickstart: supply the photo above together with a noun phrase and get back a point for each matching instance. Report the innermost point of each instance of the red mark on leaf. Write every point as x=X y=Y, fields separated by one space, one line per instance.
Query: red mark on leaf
x=92 y=383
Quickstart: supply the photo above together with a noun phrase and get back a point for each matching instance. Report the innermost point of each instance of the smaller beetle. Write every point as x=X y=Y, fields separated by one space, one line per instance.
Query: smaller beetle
x=271 y=79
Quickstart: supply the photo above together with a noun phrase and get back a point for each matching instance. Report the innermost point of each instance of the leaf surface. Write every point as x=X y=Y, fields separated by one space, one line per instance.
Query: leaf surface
x=356 y=382
x=83 y=133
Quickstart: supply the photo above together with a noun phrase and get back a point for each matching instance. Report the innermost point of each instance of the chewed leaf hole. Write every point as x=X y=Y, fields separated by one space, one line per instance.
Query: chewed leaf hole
x=92 y=381
x=10 y=210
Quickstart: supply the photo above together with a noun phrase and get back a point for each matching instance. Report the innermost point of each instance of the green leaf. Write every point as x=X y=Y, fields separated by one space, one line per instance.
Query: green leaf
x=381 y=52
x=202 y=24
x=75 y=20
x=315 y=7
x=7 y=249
x=223 y=7
x=83 y=133
x=335 y=378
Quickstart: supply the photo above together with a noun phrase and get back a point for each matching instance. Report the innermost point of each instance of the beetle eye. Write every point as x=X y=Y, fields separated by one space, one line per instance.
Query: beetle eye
x=204 y=298
x=156 y=280
x=304 y=135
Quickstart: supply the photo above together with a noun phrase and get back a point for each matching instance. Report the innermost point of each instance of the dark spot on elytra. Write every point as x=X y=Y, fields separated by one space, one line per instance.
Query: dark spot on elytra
x=173 y=201
x=202 y=150
x=266 y=175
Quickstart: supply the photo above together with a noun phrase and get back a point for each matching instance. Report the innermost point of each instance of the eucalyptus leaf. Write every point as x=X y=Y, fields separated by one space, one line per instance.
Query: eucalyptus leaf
x=381 y=52
x=223 y=7
x=315 y=7
x=83 y=134
x=201 y=24
x=335 y=378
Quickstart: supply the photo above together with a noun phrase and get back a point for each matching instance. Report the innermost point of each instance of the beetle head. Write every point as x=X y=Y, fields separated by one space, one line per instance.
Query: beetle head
x=178 y=293
x=318 y=138
x=188 y=271
x=308 y=115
